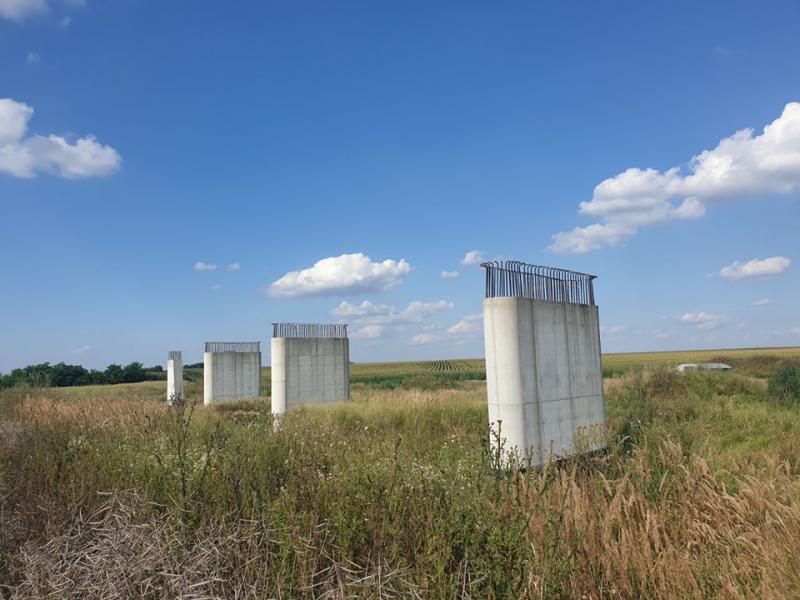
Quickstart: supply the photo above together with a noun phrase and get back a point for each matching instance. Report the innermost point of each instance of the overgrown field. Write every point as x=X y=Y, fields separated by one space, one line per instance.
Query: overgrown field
x=759 y=362
x=106 y=493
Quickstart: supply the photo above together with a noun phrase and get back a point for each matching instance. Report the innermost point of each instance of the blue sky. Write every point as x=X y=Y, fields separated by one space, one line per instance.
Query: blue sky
x=343 y=155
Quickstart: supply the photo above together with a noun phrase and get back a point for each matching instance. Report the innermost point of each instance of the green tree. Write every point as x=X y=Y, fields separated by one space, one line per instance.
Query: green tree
x=133 y=373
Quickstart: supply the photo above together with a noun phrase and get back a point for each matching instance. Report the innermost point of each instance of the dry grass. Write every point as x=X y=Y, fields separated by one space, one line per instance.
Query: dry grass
x=123 y=551
x=588 y=535
x=106 y=495
x=111 y=413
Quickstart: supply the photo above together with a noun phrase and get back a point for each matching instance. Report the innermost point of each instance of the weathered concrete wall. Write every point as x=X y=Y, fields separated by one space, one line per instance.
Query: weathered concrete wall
x=309 y=371
x=231 y=376
x=543 y=377
x=175 y=377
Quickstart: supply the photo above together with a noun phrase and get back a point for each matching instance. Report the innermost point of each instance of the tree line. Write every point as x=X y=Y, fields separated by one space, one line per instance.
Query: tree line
x=63 y=375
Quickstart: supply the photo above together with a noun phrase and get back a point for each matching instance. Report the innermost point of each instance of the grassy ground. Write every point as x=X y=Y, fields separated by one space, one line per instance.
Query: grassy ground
x=105 y=493
x=753 y=361
x=439 y=374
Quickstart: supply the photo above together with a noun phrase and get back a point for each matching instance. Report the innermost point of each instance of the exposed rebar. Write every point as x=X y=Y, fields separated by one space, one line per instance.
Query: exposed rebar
x=233 y=346
x=309 y=330
x=515 y=279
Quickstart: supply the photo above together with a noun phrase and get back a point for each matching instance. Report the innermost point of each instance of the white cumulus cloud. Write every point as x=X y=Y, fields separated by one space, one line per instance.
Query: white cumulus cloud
x=33 y=58
x=367 y=312
x=234 y=266
x=424 y=338
x=795 y=330
x=418 y=311
x=473 y=258
x=449 y=274
x=468 y=325
x=17 y=10
x=24 y=157
x=762 y=302
x=82 y=350
x=346 y=310
x=368 y=331
x=204 y=266
x=742 y=165
x=773 y=265
x=345 y=274
x=703 y=320
x=371 y=320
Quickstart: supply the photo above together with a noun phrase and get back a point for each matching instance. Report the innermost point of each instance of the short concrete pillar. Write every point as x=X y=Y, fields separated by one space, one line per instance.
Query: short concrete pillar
x=231 y=371
x=175 y=378
x=310 y=365
x=543 y=371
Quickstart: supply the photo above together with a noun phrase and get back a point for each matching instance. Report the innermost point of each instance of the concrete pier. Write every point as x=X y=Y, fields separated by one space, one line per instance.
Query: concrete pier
x=543 y=372
x=175 y=378
x=310 y=365
x=231 y=371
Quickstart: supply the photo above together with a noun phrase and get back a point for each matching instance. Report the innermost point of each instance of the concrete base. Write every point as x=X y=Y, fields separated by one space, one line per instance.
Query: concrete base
x=231 y=376
x=175 y=378
x=309 y=371
x=543 y=377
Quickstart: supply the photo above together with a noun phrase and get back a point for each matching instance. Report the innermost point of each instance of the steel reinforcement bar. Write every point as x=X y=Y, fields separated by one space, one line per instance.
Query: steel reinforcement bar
x=233 y=346
x=309 y=330
x=515 y=279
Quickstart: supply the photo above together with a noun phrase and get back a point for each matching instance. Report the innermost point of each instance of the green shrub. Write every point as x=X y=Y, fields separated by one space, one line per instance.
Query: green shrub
x=609 y=372
x=784 y=385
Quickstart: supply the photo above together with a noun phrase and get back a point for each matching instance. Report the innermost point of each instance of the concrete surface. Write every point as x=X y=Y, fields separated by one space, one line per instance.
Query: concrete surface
x=309 y=371
x=543 y=377
x=231 y=375
x=175 y=378
x=707 y=366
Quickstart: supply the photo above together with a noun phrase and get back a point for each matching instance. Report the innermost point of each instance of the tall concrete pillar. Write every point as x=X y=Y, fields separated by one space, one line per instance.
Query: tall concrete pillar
x=543 y=372
x=231 y=371
x=175 y=378
x=310 y=364
x=278 y=375
x=208 y=376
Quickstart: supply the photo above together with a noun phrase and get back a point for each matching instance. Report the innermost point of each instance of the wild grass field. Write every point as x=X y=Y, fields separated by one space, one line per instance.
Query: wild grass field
x=106 y=493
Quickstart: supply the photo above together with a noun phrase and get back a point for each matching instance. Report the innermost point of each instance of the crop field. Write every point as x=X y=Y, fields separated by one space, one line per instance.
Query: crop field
x=447 y=366
x=107 y=493
x=753 y=360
